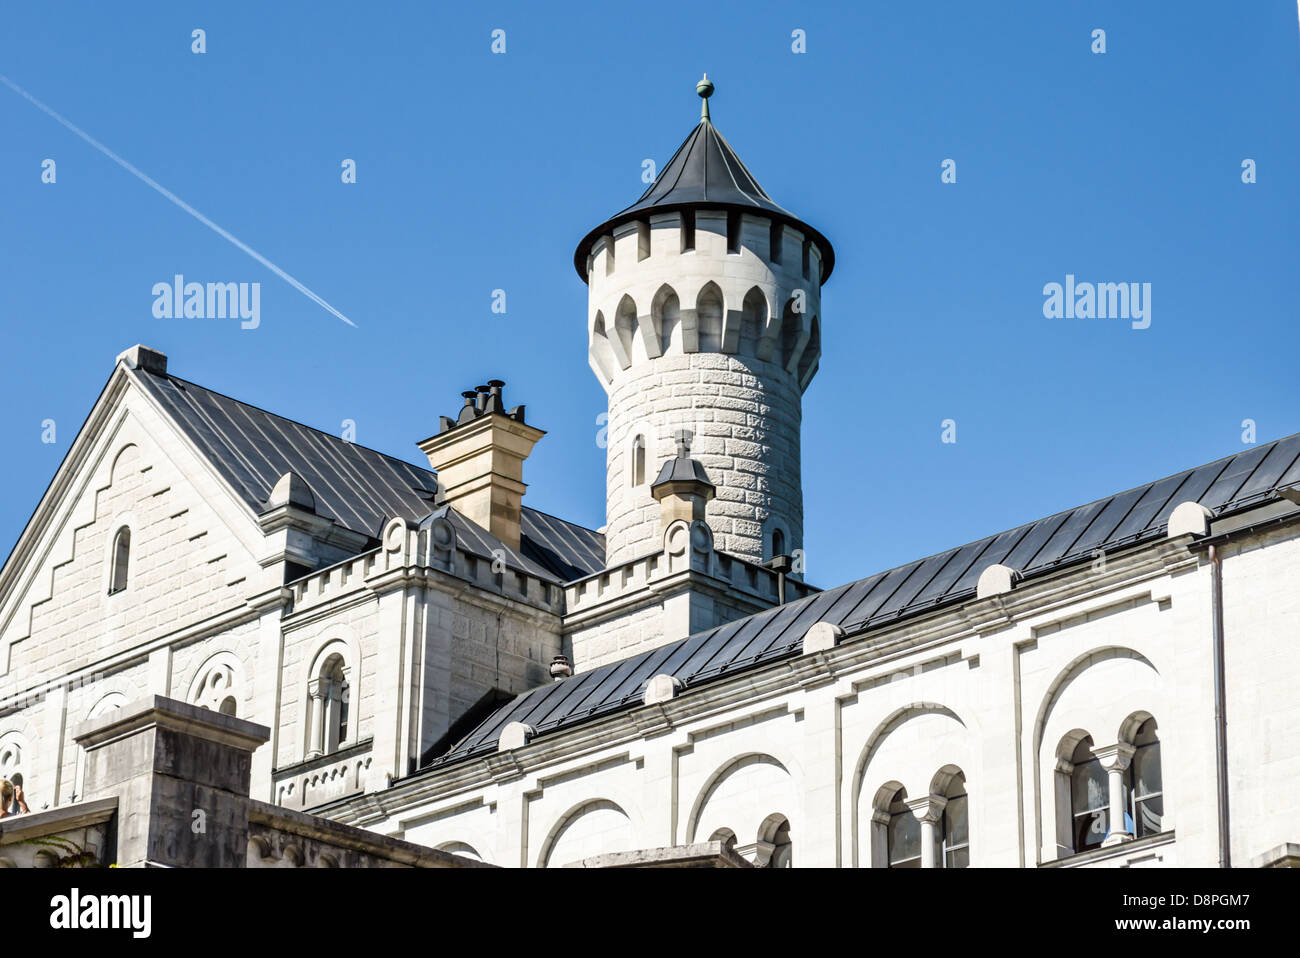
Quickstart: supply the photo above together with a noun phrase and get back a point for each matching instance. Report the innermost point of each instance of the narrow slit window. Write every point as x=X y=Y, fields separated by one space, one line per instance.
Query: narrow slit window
x=638 y=461
x=688 y=231
x=778 y=543
x=121 y=561
x=733 y=232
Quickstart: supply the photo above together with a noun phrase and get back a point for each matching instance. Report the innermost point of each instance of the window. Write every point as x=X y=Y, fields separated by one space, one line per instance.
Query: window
x=688 y=231
x=1145 y=783
x=1089 y=798
x=904 y=834
x=778 y=542
x=338 y=705
x=782 y=847
x=954 y=829
x=638 y=461
x=121 y=561
x=329 y=704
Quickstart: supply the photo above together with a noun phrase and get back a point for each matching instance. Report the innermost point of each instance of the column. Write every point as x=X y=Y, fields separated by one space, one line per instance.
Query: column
x=928 y=810
x=1115 y=760
x=317 y=689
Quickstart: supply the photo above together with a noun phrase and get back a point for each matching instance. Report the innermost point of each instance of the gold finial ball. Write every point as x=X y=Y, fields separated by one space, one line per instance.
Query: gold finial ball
x=705 y=87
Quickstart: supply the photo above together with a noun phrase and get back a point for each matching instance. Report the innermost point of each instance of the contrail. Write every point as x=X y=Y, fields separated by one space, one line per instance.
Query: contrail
x=177 y=200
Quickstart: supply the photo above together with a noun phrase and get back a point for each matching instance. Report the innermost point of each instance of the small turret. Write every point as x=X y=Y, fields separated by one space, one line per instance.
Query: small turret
x=682 y=488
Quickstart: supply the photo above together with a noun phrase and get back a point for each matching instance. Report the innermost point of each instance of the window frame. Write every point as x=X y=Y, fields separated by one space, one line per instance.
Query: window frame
x=119 y=560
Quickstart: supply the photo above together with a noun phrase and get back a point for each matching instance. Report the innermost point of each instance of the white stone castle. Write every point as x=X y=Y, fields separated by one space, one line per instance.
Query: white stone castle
x=434 y=661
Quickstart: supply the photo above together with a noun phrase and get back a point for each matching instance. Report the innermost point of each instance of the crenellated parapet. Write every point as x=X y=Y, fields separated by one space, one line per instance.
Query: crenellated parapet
x=705 y=281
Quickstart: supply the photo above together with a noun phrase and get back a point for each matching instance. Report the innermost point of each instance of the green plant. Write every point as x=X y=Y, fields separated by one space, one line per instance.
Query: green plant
x=68 y=852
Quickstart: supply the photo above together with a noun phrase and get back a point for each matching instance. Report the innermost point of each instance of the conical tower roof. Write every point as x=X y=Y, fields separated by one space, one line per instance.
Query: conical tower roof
x=704 y=173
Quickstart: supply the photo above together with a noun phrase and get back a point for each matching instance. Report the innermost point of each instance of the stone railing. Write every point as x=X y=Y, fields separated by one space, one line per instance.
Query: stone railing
x=71 y=836
x=325 y=779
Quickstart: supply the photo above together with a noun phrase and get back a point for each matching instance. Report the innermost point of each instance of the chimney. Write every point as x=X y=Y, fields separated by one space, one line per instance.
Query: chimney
x=479 y=458
x=683 y=487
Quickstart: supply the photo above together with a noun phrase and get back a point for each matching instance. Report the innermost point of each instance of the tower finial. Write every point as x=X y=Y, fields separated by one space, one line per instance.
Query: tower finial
x=705 y=89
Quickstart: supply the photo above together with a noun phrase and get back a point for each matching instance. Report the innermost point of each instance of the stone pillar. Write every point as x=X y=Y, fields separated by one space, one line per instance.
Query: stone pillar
x=819 y=837
x=1114 y=759
x=268 y=680
x=316 y=690
x=49 y=761
x=928 y=811
x=181 y=776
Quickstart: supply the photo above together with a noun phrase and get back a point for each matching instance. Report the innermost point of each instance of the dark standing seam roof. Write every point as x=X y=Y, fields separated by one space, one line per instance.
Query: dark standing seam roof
x=359 y=488
x=704 y=173
x=1127 y=518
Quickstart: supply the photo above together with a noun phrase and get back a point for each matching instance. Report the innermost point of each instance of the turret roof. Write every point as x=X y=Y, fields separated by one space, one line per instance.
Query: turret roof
x=704 y=173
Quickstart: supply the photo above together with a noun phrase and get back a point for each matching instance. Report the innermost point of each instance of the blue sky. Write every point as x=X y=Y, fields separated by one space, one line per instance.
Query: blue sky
x=479 y=171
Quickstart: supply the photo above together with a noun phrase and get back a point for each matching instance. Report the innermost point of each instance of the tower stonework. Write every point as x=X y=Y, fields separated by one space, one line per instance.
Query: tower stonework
x=704 y=313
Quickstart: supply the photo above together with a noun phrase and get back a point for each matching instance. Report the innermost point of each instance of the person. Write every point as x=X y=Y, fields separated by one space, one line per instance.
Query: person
x=11 y=794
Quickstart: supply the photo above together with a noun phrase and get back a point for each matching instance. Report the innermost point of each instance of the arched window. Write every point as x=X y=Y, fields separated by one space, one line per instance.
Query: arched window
x=724 y=835
x=338 y=704
x=782 y=847
x=904 y=834
x=954 y=827
x=121 y=560
x=1089 y=798
x=1145 y=783
x=778 y=542
x=330 y=722
x=638 y=461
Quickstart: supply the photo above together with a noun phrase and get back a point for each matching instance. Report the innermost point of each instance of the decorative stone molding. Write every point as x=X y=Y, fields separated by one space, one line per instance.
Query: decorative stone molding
x=996 y=580
x=442 y=544
x=515 y=735
x=396 y=544
x=661 y=688
x=1189 y=518
x=292 y=490
x=142 y=357
x=822 y=636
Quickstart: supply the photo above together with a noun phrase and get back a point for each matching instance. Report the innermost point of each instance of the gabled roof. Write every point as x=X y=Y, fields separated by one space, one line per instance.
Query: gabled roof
x=1071 y=537
x=358 y=488
x=704 y=173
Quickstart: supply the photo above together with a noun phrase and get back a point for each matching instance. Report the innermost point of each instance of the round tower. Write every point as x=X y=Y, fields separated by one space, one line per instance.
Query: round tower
x=703 y=316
